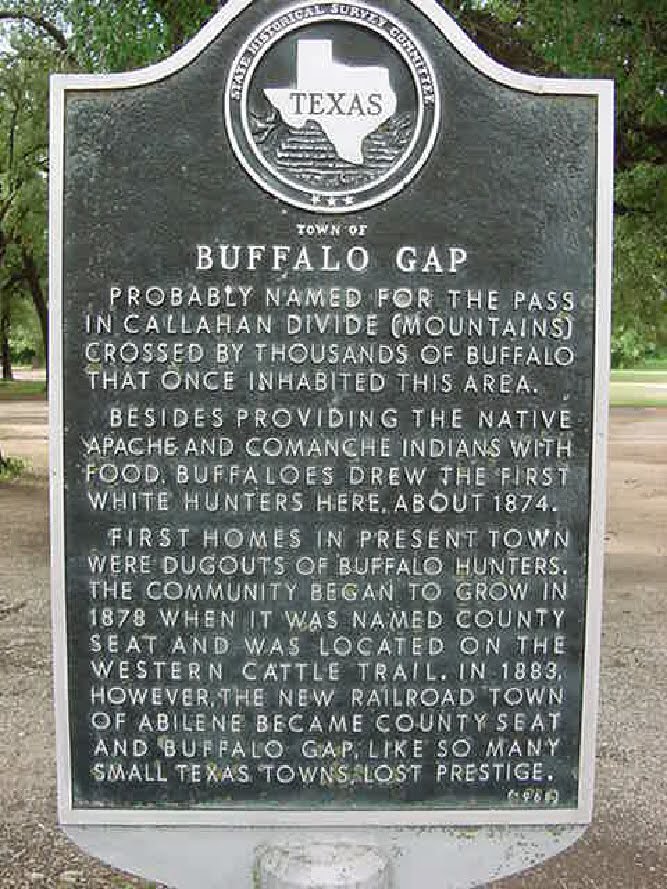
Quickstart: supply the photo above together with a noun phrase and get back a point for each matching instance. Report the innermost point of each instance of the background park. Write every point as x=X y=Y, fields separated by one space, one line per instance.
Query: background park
x=625 y=41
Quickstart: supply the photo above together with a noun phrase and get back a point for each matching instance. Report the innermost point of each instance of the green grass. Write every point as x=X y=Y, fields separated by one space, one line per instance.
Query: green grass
x=638 y=392
x=639 y=387
x=659 y=362
x=639 y=376
x=12 y=467
x=22 y=390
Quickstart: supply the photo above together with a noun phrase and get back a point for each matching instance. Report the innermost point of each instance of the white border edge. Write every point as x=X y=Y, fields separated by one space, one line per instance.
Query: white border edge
x=351 y=818
x=56 y=446
x=68 y=816
x=603 y=280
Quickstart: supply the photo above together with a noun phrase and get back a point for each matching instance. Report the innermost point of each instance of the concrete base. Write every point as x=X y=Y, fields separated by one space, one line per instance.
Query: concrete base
x=239 y=858
x=322 y=866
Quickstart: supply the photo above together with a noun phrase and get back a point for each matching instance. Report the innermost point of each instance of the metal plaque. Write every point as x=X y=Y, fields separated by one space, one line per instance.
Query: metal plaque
x=330 y=322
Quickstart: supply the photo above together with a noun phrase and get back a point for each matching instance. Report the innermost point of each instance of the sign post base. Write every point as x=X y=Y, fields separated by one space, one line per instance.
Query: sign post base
x=214 y=858
x=322 y=866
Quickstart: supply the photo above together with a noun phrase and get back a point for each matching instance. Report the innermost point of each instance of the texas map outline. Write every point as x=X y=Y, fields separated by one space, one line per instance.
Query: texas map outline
x=348 y=102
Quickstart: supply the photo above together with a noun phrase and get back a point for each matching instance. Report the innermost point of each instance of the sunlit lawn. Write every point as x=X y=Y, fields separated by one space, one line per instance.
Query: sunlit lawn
x=22 y=390
x=639 y=388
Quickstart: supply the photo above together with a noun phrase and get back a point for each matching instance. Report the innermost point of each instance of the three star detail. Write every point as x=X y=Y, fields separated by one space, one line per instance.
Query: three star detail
x=345 y=200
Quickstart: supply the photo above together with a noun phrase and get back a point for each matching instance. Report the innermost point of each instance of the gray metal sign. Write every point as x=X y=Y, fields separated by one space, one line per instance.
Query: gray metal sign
x=330 y=327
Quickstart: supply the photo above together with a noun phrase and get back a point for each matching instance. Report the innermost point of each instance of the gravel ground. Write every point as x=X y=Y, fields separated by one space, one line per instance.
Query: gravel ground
x=626 y=848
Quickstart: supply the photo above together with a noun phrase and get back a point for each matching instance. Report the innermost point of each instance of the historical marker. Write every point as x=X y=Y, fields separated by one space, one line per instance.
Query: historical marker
x=330 y=302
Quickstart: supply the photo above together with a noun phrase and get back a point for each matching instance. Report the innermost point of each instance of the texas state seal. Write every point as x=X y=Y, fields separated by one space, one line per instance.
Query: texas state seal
x=332 y=107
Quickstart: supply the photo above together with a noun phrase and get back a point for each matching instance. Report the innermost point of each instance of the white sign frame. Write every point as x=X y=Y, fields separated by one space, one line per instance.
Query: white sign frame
x=238 y=815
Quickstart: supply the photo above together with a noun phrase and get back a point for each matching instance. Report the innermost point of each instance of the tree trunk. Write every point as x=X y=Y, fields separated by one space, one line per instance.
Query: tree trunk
x=5 y=318
x=179 y=22
x=5 y=326
x=32 y=277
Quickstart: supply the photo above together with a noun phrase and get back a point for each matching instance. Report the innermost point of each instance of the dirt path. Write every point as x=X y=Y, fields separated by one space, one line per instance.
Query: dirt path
x=24 y=433
x=625 y=849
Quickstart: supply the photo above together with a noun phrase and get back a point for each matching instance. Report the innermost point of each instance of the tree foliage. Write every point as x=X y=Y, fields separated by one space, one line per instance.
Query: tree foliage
x=624 y=41
x=24 y=67
x=584 y=38
x=627 y=42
